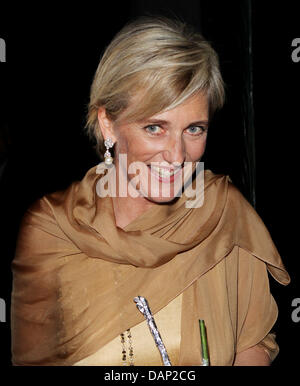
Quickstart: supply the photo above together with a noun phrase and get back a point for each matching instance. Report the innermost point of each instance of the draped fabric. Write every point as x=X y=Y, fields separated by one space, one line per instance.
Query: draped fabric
x=75 y=273
x=142 y=342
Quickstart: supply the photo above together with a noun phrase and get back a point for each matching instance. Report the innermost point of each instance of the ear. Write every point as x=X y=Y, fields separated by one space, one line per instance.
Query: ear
x=106 y=125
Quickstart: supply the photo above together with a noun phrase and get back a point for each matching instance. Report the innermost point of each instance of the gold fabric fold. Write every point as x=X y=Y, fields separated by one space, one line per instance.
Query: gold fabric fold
x=75 y=273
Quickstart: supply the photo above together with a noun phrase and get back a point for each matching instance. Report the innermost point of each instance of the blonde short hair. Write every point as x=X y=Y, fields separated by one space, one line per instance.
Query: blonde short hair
x=160 y=61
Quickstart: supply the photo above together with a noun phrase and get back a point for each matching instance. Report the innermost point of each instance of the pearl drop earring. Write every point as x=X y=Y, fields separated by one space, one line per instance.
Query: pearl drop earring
x=108 y=159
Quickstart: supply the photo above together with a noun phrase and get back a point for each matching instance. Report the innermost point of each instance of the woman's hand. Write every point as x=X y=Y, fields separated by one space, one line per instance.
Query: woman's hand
x=253 y=356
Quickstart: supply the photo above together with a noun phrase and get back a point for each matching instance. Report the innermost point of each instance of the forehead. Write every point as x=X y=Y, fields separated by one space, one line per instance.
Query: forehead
x=194 y=107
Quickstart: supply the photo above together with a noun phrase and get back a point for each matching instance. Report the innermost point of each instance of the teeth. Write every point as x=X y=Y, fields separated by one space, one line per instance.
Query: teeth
x=163 y=172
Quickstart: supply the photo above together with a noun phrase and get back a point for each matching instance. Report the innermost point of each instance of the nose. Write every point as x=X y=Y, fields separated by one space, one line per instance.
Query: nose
x=175 y=151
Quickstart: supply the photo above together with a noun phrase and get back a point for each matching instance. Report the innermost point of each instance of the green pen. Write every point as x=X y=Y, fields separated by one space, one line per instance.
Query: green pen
x=204 y=347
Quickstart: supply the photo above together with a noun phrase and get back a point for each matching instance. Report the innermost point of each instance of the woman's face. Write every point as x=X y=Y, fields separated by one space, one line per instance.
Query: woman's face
x=150 y=154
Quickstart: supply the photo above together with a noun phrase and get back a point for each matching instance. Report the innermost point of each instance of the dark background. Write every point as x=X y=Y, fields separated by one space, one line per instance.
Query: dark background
x=52 y=55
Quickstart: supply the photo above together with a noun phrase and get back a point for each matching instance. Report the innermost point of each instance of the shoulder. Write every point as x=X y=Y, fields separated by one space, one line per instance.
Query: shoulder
x=39 y=231
x=42 y=210
x=40 y=215
x=239 y=205
x=223 y=186
x=235 y=195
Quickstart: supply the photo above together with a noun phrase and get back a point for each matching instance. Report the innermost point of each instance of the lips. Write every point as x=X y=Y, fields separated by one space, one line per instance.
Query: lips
x=164 y=174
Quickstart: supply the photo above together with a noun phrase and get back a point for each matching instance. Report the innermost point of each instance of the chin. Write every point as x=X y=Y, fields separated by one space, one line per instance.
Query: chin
x=161 y=200
x=165 y=190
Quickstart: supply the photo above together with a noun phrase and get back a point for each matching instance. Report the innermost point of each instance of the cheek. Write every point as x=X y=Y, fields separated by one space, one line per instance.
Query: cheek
x=124 y=144
x=196 y=150
x=135 y=147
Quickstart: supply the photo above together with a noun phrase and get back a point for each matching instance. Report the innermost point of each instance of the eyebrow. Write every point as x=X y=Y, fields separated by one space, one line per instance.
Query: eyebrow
x=163 y=122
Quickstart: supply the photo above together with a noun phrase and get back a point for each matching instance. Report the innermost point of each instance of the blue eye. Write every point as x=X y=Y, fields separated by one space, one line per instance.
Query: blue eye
x=153 y=129
x=196 y=130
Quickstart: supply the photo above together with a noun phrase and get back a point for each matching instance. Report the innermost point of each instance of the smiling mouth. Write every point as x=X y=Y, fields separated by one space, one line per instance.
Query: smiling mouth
x=163 y=172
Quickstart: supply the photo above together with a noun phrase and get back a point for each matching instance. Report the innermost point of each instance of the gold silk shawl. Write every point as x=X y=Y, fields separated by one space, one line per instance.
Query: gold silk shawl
x=75 y=273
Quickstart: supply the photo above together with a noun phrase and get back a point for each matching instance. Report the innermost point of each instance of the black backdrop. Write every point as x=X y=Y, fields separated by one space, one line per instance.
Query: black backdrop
x=52 y=55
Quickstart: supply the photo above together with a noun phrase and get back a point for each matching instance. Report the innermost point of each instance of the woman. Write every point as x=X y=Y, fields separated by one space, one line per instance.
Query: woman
x=146 y=223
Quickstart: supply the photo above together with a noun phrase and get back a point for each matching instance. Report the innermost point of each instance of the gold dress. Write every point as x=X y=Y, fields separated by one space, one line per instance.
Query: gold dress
x=168 y=321
x=75 y=274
